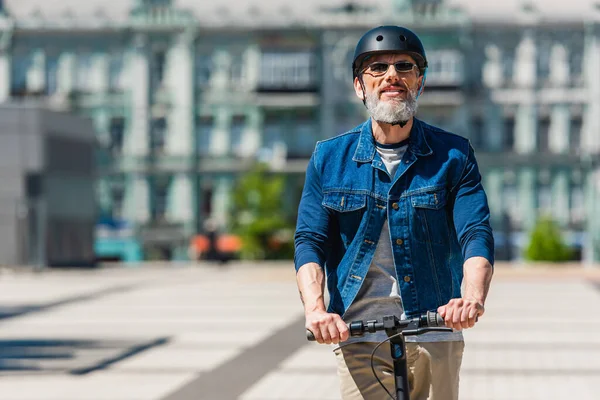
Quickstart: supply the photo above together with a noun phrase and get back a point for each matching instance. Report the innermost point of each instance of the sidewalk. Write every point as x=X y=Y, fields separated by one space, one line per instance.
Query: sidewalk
x=183 y=332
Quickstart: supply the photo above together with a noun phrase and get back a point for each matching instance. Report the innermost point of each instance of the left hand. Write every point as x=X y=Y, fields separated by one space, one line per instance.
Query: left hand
x=461 y=313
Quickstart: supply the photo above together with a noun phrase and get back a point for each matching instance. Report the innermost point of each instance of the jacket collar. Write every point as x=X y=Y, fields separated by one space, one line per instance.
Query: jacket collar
x=365 y=151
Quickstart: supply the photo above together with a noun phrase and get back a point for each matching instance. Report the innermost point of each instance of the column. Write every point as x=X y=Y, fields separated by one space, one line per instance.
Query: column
x=99 y=72
x=526 y=127
x=525 y=79
x=251 y=139
x=222 y=200
x=103 y=194
x=590 y=134
x=560 y=197
x=494 y=124
x=181 y=195
x=330 y=83
x=102 y=124
x=36 y=75
x=560 y=125
x=492 y=73
x=251 y=62
x=180 y=125
x=559 y=65
x=220 y=136
x=493 y=184
x=527 y=187
x=136 y=141
x=66 y=73
x=136 y=202
x=525 y=62
x=220 y=78
x=5 y=75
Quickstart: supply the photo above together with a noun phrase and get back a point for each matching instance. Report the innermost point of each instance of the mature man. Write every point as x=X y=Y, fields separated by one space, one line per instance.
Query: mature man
x=394 y=215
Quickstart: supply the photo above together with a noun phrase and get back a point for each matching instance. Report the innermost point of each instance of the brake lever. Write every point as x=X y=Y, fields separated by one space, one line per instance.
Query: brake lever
x=419 y=331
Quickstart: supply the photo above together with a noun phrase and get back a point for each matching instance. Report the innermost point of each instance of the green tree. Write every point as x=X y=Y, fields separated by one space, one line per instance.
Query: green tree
x=546 y=243
x=259 y=217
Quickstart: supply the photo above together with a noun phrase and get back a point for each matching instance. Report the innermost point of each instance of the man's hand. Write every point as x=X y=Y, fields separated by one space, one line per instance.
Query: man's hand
x=328 y=328
x=461 y=313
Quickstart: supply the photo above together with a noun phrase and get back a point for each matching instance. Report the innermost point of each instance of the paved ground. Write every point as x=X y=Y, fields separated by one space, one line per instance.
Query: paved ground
x=181 y=332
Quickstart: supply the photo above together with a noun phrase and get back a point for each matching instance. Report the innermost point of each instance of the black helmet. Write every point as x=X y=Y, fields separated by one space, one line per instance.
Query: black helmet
x=389 y=39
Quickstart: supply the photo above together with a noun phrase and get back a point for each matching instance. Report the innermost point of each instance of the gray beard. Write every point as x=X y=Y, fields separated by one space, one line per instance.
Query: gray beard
x=392 y=112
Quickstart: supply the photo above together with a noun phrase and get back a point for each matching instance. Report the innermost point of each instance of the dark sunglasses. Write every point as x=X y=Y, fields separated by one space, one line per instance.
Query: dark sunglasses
x=381 y=68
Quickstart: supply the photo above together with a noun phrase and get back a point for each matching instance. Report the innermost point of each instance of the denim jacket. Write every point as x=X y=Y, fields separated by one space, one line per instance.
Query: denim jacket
x=436 y=208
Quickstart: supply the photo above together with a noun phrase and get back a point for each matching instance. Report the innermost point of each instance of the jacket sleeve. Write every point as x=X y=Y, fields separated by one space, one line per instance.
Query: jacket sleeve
x=471 y=213
x=311 y=238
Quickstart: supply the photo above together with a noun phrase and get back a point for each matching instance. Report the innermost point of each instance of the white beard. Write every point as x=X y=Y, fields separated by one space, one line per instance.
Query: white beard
x=393 y=111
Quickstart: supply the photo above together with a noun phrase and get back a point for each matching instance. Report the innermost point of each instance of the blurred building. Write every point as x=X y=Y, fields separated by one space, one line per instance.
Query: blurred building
x=47 y=206
x=186 y=94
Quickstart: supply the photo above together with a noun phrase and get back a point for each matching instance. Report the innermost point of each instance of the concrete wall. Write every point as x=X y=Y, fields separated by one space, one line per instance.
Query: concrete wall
x=47 y=200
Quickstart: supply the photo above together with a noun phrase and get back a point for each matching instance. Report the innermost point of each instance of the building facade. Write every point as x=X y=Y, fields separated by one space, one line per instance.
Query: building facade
x=187 y=96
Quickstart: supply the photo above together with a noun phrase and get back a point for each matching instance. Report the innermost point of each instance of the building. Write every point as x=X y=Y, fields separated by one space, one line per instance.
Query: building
x=185 y=95
x=48 y=209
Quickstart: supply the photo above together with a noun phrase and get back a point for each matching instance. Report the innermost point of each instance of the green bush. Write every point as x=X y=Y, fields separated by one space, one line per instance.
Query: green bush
x=259 y=218
x=546 y=243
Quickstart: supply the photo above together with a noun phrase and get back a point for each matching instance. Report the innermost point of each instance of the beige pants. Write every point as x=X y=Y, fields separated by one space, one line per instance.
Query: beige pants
x=433 y=370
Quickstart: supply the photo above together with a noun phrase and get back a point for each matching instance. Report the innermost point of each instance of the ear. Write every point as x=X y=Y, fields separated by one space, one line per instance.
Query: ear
x=421 y=81
x=358 y=89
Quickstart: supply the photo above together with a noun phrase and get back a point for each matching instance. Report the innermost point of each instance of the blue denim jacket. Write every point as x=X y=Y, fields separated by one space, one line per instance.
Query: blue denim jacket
x=435 y=205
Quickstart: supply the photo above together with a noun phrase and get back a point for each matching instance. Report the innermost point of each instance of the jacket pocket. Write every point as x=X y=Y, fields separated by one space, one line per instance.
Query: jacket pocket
x=349 y=209
x=430 y=222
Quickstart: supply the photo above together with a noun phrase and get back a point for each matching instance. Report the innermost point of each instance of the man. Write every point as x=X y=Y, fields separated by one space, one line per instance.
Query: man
x=394 y=215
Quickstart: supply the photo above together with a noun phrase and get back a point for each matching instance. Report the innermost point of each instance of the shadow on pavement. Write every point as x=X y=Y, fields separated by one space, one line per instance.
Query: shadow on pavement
x=76 y=357
x=17 y=311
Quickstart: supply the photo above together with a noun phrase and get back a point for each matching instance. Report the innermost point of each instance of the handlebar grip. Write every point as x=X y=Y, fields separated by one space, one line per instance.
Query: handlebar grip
x=434 y=319
x=310 y=336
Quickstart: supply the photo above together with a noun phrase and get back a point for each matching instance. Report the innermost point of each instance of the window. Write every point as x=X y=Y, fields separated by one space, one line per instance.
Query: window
x=118 y=195
x=544 y=52
x=157 y=69
x=204 y=128
x=288 y=71
x=238 y=72
x=445 y=68
x=158 y=135
x=237 y=132
x=117 y=131
x=273 y=129
x=20 y=66
x=543 y=135
x=203 y=70
x=302 y=134
x=51 y=75
x=575 y=137
x=476 y=136
x=115 y=72
x=511 y=203
x=577 y=205
x=544 y=198
x=83 y=72
x=508 y=65
x=509 y=134
x=159 y=196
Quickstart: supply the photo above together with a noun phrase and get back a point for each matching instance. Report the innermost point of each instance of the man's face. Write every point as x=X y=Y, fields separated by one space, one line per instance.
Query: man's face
x=390 y=96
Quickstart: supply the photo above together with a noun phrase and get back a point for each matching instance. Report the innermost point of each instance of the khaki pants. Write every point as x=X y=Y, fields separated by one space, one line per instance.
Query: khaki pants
x=433 y=370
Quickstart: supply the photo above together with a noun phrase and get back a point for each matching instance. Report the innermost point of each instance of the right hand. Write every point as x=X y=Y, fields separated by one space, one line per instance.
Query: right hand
x=327 y=327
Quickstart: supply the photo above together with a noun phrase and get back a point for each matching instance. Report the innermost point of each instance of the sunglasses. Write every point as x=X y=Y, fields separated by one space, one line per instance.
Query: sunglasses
x=381 y=68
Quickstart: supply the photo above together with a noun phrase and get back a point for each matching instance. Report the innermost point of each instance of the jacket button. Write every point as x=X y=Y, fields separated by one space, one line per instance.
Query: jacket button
x=395 y=206
x=407 y=279
x=399 y=242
